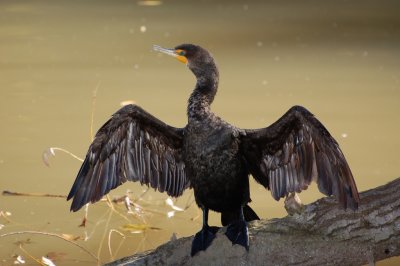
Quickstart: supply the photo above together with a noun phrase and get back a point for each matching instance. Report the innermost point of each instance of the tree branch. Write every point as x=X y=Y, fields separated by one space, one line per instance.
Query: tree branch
x=323 y=234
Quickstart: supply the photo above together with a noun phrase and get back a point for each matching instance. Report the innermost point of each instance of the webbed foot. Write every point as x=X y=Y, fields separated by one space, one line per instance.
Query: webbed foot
x=202 y=240
x=238 y=233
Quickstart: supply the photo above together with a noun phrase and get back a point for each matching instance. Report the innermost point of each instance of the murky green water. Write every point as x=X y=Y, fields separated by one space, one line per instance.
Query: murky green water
x=340 y=59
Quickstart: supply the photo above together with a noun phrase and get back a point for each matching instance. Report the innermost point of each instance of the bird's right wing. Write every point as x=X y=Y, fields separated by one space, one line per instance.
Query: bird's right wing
x=135 y=146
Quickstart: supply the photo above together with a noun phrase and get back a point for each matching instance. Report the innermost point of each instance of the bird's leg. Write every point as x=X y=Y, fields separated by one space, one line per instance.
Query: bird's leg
x=293 y=204
x=237 y=231
x=202 y=240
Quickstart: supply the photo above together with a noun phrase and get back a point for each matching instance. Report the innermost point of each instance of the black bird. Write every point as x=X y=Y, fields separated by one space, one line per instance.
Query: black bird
x=213 y=157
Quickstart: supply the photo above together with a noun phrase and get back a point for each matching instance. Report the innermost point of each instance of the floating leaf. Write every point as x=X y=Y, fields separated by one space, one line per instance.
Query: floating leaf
x=19 y=260
x=138 y=228
x=83 y=223
x=70 y=237
x=171 y=203
x=52 y=255
x=49 y=152
x=47 y=261
x=176 y=208
x=128 y=202
x=135 y=228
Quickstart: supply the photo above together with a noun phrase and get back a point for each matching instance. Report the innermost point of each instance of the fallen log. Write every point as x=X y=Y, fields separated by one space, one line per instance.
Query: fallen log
x=323 y=234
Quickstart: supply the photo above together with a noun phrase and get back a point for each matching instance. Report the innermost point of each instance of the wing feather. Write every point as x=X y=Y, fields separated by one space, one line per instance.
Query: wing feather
x=133 y=145
x=286 y=156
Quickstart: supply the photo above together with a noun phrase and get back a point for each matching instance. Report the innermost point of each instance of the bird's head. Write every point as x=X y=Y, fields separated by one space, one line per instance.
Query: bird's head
x=200 y=62
x=194 y=56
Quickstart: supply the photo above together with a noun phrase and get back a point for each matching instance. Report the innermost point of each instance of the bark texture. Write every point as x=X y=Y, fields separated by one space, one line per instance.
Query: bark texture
x=323 y=234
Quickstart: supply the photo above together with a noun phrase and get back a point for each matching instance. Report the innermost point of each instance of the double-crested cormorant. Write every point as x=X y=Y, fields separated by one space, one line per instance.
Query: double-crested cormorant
x=213 y=157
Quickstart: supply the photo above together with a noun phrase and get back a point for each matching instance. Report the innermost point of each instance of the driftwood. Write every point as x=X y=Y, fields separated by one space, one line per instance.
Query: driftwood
x=323 y=234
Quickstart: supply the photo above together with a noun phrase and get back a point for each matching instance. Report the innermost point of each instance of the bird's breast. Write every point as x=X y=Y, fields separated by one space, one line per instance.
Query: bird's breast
x=211 y=153
x=215 y=167
x=207 y=143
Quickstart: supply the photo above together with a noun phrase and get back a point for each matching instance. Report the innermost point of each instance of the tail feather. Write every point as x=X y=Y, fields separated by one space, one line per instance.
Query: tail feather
x=229 y=217
x=249 y=214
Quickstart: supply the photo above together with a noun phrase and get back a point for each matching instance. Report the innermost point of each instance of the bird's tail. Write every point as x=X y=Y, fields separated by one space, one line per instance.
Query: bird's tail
x=229 y=217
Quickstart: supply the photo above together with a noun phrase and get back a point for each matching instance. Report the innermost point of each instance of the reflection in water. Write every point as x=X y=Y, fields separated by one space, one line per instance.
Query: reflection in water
x=339 y=59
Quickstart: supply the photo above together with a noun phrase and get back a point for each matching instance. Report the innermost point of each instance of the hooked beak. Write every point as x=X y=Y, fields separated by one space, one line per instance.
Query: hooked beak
x=171 y=52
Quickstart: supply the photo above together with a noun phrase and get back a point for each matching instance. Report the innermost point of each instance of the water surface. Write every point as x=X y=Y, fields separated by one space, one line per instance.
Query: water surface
x=340 y=59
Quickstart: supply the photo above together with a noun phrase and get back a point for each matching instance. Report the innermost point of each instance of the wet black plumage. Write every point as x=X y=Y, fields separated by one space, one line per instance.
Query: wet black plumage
x=213 y=157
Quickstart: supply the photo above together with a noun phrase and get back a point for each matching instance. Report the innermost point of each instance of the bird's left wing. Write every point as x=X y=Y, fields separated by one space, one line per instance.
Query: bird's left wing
x=286 y=156
x=135 y=146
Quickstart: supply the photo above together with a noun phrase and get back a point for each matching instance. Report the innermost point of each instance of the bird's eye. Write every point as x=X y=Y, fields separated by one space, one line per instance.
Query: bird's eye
x=182 y=53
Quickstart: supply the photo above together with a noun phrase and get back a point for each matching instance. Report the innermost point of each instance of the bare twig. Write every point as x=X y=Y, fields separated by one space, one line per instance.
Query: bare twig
x=10 y=193
x=29 y=255
x=51 y=152
x=104 y=233
x=109 y=240
x=94 y=97
x=53 y=235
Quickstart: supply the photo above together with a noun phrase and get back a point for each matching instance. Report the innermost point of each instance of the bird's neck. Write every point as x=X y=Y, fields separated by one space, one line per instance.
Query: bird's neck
x=203 y=95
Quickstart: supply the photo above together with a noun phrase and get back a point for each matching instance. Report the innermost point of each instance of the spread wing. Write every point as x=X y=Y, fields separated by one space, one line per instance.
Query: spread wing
x=286 y=156
x=133 y=145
